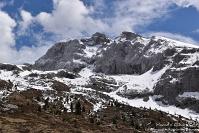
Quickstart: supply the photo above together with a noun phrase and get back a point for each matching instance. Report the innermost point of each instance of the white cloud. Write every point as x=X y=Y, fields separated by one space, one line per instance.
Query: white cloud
x=30 y=54
x=72 y=18
x=175 y=37
x=3 y=4
x=130 y=14
x=69 y=18
x=187 y=3
x=7 y=38
x=26 y=21
x=133 y=14
x=196 y=31
x=9 y=54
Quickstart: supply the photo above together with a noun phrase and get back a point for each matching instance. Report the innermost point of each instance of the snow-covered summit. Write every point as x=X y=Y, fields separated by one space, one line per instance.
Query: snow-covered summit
x=175 y=43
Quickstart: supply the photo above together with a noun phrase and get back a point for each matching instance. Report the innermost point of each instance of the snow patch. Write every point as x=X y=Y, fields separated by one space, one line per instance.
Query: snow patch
x=90 y=51
x=151 y=104
x=141 y=82
x=190 y=95
x=175 y=43
x=192 y=58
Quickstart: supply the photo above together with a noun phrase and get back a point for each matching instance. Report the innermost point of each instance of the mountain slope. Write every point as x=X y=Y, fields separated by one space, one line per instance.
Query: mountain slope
x=50 y=100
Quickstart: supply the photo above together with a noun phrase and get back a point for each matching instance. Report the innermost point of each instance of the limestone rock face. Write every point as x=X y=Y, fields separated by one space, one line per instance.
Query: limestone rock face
x=174 y=83
x=9 y=67
x=72 y=55
x=127 y=58
x=61 y=56
x=128 y=54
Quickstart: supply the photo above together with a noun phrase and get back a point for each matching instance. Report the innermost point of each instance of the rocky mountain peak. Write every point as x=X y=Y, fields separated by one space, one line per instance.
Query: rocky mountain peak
x=129 y=35
x=100 y=38
x=96 y=39
x=131 y=54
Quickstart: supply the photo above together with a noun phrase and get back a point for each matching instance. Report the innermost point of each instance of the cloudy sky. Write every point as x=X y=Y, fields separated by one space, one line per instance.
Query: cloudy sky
x=29 y=27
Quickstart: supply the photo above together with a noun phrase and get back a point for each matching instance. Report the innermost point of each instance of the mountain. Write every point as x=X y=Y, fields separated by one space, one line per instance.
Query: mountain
x=137 y=66
x=104 y=85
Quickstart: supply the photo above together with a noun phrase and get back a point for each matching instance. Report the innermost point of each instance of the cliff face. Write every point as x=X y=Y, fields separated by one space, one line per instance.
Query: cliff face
x=61 y=56
x=127 y=54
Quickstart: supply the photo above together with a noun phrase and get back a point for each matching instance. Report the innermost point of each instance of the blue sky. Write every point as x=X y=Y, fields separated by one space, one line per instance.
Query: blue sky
x=184 y=21
x=30 y=27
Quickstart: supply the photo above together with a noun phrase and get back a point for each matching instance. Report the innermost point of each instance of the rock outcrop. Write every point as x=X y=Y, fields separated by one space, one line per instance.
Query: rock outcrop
x=72 y=55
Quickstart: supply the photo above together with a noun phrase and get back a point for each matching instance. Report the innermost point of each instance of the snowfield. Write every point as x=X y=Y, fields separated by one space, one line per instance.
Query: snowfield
x=141 y=82
x=151 y=104
x=175 y=43
x=135 y=82
x=190 y=95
